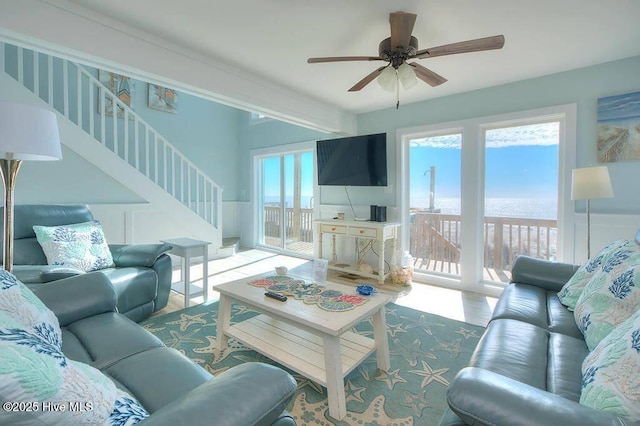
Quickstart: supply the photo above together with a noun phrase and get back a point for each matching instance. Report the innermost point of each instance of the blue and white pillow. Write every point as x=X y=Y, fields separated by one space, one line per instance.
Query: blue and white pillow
x=81 y=245
x=610 y=379
x=571 y=291
x=611 y=296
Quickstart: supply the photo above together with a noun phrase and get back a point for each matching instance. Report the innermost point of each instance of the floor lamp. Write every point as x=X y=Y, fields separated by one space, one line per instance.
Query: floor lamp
x=588 y=183
x=26 y=133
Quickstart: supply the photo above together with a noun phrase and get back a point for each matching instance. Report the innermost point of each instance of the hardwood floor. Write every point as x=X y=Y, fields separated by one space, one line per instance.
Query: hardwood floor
x=468 y=307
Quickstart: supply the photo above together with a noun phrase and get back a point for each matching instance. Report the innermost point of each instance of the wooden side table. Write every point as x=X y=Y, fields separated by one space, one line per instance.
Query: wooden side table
x=186 y=248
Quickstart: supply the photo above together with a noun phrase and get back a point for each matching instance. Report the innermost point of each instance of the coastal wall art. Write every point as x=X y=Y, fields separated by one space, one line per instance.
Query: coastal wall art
x=163 y=99
x=121 y=86
x=619 y=128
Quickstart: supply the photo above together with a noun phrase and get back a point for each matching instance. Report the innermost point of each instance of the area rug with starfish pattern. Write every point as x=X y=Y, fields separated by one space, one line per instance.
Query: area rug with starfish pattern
x=426 y=353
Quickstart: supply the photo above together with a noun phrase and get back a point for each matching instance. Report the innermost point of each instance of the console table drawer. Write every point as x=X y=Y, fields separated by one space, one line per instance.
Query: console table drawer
x=363 y=232
x=333 y=229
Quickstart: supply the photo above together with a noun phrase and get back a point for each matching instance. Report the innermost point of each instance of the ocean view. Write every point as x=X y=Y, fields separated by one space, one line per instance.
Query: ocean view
x=531 y=208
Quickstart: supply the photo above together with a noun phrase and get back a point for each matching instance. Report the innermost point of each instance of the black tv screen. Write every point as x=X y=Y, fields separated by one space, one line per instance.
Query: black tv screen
x=353 y=161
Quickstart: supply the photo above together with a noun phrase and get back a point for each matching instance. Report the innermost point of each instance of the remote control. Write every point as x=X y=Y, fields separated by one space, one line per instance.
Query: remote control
x=277 y=296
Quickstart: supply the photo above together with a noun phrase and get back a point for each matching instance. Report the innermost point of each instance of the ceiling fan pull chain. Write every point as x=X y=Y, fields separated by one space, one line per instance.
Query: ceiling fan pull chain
x=397 y=91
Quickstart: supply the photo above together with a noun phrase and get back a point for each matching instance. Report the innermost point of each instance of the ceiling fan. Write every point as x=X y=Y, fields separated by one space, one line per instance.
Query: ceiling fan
x=401 y=47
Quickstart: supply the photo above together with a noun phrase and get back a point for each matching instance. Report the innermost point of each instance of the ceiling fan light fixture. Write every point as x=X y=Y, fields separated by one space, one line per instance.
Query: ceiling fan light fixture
x=388 y=79
x=407 y=76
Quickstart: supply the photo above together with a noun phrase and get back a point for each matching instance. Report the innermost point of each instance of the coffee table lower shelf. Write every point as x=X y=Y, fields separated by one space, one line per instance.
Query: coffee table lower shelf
x=298 y=349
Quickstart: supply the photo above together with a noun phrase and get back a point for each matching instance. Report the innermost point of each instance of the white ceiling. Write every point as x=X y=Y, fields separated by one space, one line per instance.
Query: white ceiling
x=273 y=38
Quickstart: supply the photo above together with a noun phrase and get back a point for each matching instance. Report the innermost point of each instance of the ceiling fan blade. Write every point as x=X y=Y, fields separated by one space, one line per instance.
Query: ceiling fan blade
x=425 y=74
x=343 y=59
x=479 y=44
x=401 y=28
x=368 y=79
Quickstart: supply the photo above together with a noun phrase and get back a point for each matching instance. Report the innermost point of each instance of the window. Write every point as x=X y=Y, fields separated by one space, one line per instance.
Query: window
x=479 y=192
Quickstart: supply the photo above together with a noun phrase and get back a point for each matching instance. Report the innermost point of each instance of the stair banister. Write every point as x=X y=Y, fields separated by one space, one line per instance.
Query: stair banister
x=190 y=177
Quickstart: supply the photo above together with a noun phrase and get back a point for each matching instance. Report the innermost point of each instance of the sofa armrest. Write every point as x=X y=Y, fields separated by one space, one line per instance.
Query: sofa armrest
x=482 y=397
x=125 y=255
x=548 y=275
x=75 y=298
x=248 y=394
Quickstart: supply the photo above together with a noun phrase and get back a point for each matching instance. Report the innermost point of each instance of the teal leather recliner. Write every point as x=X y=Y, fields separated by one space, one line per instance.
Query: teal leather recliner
x=141 y=276
x=171 y=387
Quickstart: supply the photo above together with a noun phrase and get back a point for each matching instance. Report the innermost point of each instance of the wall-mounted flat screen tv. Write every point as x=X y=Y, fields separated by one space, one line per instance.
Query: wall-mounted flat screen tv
x=353 y=161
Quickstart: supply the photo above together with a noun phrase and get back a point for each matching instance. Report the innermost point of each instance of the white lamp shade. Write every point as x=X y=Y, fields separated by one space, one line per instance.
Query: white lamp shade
x=28 y=133
x=407 y=76
x=388 y=79
x=591 y=182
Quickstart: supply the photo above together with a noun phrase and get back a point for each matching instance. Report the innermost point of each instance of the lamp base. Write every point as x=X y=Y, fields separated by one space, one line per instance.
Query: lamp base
x=9 y=169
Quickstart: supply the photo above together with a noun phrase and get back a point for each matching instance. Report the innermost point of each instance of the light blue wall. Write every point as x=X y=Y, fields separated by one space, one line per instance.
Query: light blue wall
x=264 y=134
x=583 y=87
x=71 y=180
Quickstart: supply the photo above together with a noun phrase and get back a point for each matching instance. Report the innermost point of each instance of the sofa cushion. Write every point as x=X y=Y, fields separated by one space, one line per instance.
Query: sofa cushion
x=158 y=376
x=610 y=373
x=81 y=245
x=537 y=306
x=105 y=339
x=548 y=361
x=611 y=296
x=572 y=290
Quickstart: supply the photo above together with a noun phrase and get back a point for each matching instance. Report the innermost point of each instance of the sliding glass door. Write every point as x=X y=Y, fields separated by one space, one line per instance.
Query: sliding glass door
x=285 y=205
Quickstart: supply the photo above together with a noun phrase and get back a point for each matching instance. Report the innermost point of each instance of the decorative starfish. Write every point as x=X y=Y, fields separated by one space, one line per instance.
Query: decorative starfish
x=467 y=333
x=354 y=393
x=390 y=378
x=423 y=323
x=416 y=401
x=395 y=329
x=303 y=381
x=429 y=375
x=454 y=348
x=186 y=320
x=411 y=352
x=178 y=339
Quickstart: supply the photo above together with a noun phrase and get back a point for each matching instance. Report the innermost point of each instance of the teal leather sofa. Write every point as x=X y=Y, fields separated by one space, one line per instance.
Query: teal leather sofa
x=141 y=275
x=172 y=388
x=526 y=369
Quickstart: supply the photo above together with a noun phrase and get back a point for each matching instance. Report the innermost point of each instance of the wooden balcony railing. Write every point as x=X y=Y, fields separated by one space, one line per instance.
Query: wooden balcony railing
x=435 y=238
x=299 y=223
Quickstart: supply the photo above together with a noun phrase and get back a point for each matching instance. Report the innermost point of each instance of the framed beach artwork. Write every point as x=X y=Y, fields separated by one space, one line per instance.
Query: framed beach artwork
x=163 y=99
x=119 y=85
x=619 y=128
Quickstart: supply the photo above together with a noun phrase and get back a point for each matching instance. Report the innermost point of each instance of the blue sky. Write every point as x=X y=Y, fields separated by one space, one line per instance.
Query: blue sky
x=521 y=162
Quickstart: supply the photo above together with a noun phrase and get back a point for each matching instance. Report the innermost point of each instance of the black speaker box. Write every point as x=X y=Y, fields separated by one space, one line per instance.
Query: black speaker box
x=381 y=213
x=373 y=215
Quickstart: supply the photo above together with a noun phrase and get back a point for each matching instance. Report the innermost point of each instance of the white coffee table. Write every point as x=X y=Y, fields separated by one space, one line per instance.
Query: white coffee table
x=316 y=343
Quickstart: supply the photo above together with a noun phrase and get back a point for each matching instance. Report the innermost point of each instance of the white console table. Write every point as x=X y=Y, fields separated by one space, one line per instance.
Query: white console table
x=380 y=232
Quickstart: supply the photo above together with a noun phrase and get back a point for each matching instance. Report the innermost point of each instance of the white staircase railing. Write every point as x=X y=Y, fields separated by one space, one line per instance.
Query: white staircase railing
x=79 y=96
